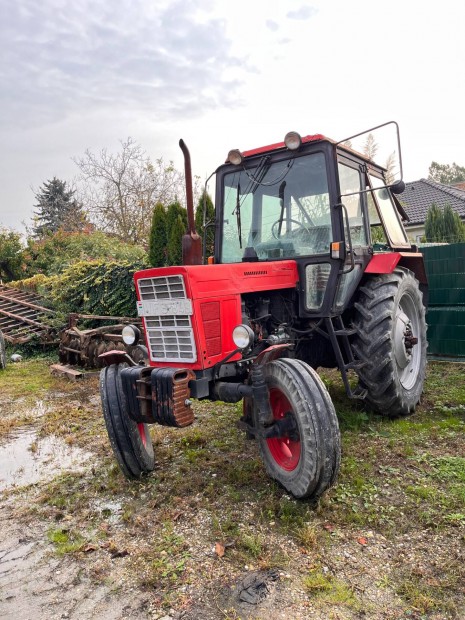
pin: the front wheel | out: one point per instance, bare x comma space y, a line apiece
391, 342
130, 441
305, 459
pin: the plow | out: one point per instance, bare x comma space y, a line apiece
24, 317
84, 346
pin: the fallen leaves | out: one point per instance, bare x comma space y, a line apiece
219, 549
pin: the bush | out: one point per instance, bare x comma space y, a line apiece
11, 255
96, 287
55, 253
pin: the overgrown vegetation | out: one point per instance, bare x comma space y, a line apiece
11, 255
55, 253
386, 540
97, 287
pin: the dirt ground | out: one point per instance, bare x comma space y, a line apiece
209, 536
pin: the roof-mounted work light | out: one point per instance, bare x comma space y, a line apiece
293, 140
235, 157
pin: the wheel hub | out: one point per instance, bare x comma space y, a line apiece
284, 439
403, 340
284, 427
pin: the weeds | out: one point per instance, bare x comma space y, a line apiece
403, 480
330, 590
66, 541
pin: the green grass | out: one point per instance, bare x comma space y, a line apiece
327, 589
399, 478
66, 541
25, 378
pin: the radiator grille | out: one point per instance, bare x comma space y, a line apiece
164, 303
171, 345
164, 287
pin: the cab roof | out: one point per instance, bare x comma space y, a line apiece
280, 145
318, 137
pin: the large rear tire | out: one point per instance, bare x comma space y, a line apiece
130, 441
306, 459
391, 341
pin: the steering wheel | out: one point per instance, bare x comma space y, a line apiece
277, 235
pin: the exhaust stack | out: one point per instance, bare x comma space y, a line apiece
191, 241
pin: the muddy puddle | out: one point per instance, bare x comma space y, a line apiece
26, 459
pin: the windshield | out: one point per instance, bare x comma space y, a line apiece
281, 210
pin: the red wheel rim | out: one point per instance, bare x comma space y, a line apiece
143, 437
284, 450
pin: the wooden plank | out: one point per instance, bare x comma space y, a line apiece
59, 369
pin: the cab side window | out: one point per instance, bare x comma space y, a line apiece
350, 184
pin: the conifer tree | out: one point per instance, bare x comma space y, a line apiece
176, 226
175, 241
158, 237
57, 209
454, 229
434, 225
443, 226
208, 239
174, 210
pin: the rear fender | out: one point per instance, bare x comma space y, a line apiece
387, 262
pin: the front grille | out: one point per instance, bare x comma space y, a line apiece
167, 311
165, 287
155, 322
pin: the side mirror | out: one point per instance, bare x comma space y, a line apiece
398, 187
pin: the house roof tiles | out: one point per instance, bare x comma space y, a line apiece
418, 197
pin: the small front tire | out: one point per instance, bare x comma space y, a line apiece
305, 459
130, 441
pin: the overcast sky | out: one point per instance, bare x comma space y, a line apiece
83, 75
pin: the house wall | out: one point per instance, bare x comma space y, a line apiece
415, 233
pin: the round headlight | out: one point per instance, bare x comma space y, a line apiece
131, 334
235, 157
293, 140
243, 336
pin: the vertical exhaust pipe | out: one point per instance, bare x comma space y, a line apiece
191, 241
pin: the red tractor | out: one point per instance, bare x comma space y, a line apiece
295, 283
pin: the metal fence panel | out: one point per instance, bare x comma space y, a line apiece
445, 267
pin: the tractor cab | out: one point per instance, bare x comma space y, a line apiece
314, 201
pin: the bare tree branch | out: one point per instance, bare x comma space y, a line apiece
120, 190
